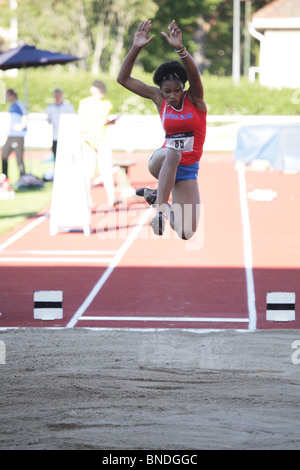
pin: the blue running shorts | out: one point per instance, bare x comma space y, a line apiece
185, 172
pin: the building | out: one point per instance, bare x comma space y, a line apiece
277, 28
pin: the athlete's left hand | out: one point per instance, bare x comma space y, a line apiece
175, 38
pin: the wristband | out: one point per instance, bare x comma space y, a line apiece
179, 50
184, 55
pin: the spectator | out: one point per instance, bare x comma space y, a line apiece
93, 114
54, 112
17, 131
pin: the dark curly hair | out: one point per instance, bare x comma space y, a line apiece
170, 71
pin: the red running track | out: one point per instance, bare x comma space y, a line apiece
122, 276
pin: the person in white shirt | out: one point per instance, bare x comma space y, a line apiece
54, 111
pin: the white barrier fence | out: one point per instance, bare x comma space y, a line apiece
138, 132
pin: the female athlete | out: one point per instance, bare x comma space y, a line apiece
183, 115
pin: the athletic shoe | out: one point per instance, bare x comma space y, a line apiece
150, 195
158, 223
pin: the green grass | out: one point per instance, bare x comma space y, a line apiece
221, 95
225, 98
26, 203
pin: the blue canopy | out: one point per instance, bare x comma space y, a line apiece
28, 56
25, 56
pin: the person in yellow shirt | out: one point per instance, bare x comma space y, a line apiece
93, 113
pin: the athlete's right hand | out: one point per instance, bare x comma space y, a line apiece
141, 38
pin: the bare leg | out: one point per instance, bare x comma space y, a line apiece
185, 210
89, 165
163, 166
184, 213
105, 166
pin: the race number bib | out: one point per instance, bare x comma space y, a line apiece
184, 142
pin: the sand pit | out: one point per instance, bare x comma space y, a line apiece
168, 390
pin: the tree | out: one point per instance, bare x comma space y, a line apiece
102, 30
94, 29
185, 13
112, 19
218, 18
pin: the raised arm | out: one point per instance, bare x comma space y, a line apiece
196, 91
125, 79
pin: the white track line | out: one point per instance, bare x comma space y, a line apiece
65, 258
109, 270
63, 252
53, 260
167, 319
23, 232
247, 248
